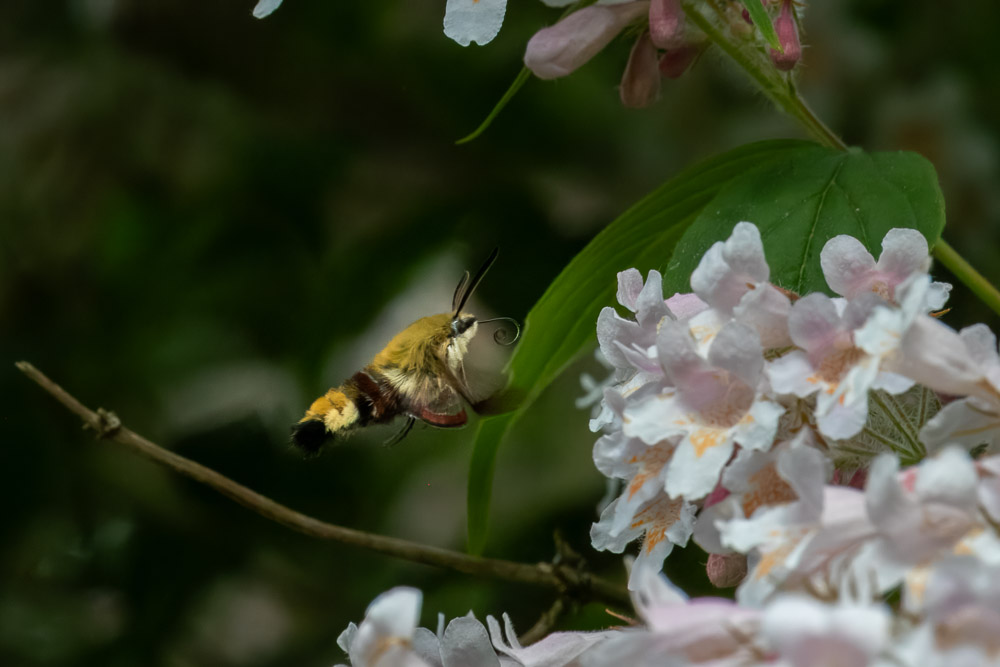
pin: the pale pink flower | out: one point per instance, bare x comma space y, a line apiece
791, 543
661, 523
559, 649
560, 49
904, 340
850, 269
690, 631
758, 480
628, 343
714, 403
919, 515
803, 632
830, 365
732, 277
971, 421
666, 23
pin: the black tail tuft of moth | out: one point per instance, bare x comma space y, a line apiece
310, 435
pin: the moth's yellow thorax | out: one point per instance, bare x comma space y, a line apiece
420, 345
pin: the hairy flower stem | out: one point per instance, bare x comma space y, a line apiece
566, 580
781, 90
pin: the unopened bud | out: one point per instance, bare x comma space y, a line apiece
666, 22
788, 37
675, 62
641, 81
560, 49
726, 570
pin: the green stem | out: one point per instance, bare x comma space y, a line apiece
971, 278
771, 82
820, 131
781, 90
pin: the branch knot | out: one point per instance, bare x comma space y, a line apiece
106, 425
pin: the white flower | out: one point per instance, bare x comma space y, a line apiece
806, 633
831, 365
265, 7
757, 480
975, 420
662, 523
678, 630
850, 270
555, 650
714, 404
732, 278
626, 343
478, 21
920, 515
385, 637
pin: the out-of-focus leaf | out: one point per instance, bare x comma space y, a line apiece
563, 322
763, 22
814, 194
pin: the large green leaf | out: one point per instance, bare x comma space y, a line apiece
814, 194
563, 322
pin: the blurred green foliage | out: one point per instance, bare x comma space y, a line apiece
205, 220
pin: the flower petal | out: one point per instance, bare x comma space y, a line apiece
904, 252
476, 21
640, 84
728, 267
466, 642
560, 49
265, 7
629, 286
846, 265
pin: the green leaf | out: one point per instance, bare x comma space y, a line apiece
519, 81
563, 322
801, 202
763, 22
894, 423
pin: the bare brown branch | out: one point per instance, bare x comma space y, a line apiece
563, 578
545, 623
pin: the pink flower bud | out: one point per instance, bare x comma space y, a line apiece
718, 494
560, 49
666, 22
788, 37
676, 61
641, 81
857, 479
726, 570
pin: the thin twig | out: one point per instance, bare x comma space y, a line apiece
543, 626
562, 578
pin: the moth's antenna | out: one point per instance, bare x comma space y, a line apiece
458, 291
500, 335
475, 281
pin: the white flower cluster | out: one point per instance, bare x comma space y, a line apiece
389, 637
723, 418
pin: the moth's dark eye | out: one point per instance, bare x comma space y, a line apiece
459, 327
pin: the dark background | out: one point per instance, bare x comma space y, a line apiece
206, 220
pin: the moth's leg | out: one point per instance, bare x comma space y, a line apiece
407, 427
